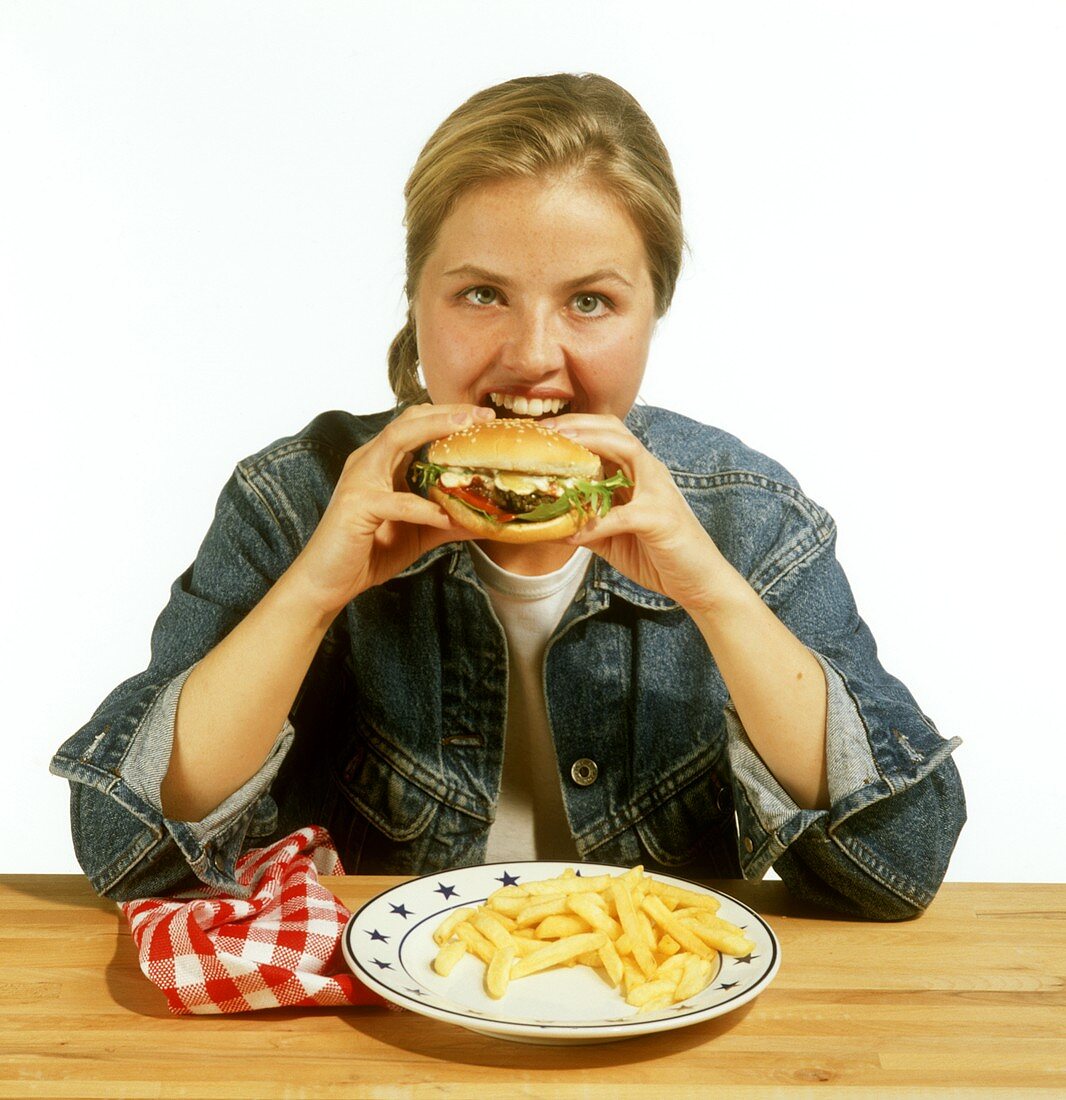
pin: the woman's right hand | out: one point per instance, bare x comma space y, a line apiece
374, 526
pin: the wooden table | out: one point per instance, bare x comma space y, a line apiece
968, 999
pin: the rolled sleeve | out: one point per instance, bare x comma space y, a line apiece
212, 844
769, 820
768, 809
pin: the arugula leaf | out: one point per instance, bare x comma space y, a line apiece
590, 496
548, 510
424, 475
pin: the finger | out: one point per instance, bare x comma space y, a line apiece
600, 528
382, 459
404, 507
614, 444
420, 424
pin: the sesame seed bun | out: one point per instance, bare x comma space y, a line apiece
518, 446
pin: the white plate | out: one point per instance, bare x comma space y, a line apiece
389, 945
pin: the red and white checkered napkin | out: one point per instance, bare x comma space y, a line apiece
281, 947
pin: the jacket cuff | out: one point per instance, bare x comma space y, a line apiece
211, 846
768, 819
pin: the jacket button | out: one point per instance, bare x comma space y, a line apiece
749, 845
584, 772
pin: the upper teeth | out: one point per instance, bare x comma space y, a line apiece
527, 406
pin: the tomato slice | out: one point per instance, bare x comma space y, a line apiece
476, 500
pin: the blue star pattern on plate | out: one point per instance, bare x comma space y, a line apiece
399, 963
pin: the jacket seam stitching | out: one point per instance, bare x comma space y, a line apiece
821, 542
253, 483
867, 862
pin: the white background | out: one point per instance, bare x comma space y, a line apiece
201, 247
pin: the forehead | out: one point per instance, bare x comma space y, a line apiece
538, 224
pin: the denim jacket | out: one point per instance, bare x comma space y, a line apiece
396, 737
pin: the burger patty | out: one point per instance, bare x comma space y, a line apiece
515, 503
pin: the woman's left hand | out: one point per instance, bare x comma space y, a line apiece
650, 534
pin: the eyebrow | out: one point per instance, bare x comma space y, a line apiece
603, 274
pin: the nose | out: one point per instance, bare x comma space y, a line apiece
533, 345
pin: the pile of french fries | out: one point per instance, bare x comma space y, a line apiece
657, 943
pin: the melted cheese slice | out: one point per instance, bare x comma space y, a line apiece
521, 484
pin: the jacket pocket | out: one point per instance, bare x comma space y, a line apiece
381, 822
693, 825
392, 803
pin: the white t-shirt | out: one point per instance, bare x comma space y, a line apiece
531, 820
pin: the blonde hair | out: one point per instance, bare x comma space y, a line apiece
530, 127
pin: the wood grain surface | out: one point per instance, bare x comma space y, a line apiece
969, 999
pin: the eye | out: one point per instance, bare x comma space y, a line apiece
588, 304
481, 295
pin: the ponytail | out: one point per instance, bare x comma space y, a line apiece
403, 367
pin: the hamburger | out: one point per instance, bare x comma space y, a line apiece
514, 481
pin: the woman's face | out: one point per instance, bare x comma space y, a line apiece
537, 300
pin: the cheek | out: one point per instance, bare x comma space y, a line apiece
450, 356
621, 356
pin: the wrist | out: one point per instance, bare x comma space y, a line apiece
296, 597
725, 592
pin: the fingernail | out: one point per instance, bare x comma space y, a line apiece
484, 414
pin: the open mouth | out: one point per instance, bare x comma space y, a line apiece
532, 408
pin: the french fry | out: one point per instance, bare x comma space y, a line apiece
448, 956
569, 885
720, 935
498, 973
509, 906
683, 897
696, 976
536, 911
490, 926
475, 941
448, 925
662, 987
673, 966
554, 954
631, 976
525, 945
683, 933
628, 918
586, 908
559, 925
612, 963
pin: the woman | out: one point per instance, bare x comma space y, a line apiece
685, 683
